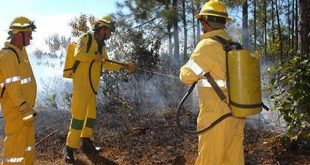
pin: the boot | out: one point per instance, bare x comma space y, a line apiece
89, 147
69, 155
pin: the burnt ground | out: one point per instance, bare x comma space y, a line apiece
139, 138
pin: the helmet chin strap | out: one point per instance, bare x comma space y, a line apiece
202, 28
101, 43
104, 37
103, 40
24, 40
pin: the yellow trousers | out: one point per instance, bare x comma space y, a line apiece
19, 142
222, 144
83, 115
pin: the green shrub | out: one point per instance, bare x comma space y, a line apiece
291, 95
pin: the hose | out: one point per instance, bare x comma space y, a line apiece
89, 77
157, 73
190, 90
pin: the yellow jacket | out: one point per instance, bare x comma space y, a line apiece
81, 77
223, 143
17, 78
208, 56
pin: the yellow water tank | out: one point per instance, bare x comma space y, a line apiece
70, 61
244, 82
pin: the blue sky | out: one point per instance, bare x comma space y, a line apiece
50, 16
49, 7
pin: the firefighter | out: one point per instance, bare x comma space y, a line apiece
222, 144
18, 95
91, 57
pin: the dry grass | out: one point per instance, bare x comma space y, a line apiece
129, 137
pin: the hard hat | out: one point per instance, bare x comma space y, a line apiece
105, 21
21, 24
213, 8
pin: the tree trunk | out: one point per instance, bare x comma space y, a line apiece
245, 33
279, 31
255, 32
198, 26
293, 25
265, 27
304, 28
185, 32
272, 21
193, 20
296, 25
169, 32
170, 39
176, 31
289, 24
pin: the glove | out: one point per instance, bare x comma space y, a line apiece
130, 67
29, 116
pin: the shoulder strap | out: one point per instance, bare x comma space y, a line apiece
223, 41
216, 88
2, 92
89, 42
76, 63
9, 48
227, 45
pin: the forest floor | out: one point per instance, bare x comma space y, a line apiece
136, 138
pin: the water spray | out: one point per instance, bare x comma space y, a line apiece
141, 69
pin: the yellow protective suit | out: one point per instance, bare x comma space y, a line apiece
83, 105
222, 144
19, 94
